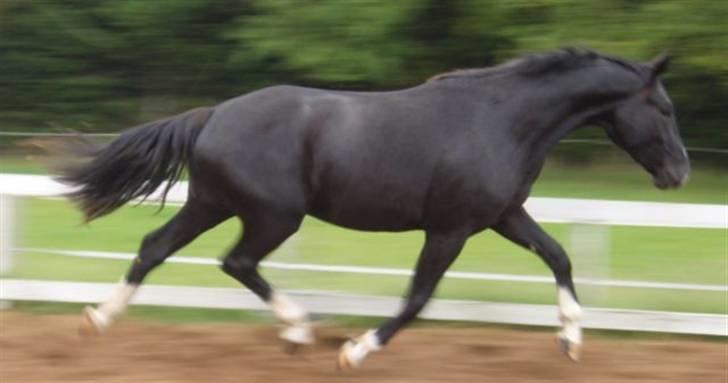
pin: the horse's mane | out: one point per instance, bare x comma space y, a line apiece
560, 60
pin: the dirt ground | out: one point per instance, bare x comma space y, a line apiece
41, 348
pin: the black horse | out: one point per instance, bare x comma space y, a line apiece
452, 157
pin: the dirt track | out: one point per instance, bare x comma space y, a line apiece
47, 349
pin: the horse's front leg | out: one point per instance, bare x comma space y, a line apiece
521, 229
439, 252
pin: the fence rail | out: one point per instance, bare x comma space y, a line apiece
367, 305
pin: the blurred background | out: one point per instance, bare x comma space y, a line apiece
101, 65
98, 66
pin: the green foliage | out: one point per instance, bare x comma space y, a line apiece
347, 41
102, 65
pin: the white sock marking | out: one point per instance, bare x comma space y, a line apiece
298, 329
286, 310
570, 314
358, 351
109, 311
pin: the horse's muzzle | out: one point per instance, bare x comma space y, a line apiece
672, 177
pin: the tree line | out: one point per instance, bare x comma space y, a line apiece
101, 65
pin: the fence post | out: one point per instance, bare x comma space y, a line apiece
7, 236
8, 209
6, 233
590, 246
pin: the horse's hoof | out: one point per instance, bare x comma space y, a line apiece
570, 349
354, 351
344, 362
88, 326
299, 334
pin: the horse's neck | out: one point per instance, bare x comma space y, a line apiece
536, 147
577, 99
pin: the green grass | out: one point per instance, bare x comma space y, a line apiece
20, 165
652, 254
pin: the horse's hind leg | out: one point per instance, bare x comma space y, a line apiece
192, 220
261, 235
520, 228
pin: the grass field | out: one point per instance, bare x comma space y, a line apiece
637, 253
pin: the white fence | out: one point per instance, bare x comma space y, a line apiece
377, 306
543, 209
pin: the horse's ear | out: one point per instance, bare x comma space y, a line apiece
660, 63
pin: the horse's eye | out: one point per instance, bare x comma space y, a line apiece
665, 110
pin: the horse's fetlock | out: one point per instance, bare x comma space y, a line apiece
569, 309
288, 311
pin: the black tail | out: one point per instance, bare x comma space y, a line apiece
133, 165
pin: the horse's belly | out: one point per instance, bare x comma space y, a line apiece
368, 222
375, 211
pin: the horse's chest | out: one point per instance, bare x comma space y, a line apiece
472, 193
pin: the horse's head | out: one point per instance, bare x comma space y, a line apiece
644, 126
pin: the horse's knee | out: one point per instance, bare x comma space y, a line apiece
237, 267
